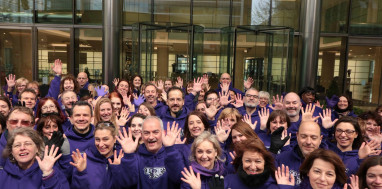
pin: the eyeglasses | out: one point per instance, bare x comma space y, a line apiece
18, 145
249, 96
212, 99
347, 132
52, 107
22, 122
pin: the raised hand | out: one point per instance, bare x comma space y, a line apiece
160, 85
247, 119
277, 103
221, 133
164, 96
179, 140
326, 119
197, 86
238, 101
115, 81
223, 98
233, 156
278, 140
318, 104
354, 182
190, 178
211, 111
57, 67
264, 115
179, 82
206, 86
79, 161
224, 87
248, 83
376, 134
124, 118
47, 163
205, 79
11, 82
138, 100
283, 177
307, 114
126, 140
101, 91
169, 138
117, 159
369, 148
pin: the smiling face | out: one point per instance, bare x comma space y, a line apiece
104, 142
253, 162
322, 174
263, 101
345, 140
292, 104
68, 85
195, 125
68, 99
29, 99
343, 103
212, 99
308, 137
276, 123
81, 118
308, 97
18, 119
136, 127
123, 87
117, 104
175, 101
251, 98
152, 135
374, 177
225, 78
4, 108
229, 121
24, 151
137, 82
237, 137
144, 110
21, 86
48, 129
371, 124
49, 107
167, 85
151, 94
105, 111
205, 154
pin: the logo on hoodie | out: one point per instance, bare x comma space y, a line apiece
154, 172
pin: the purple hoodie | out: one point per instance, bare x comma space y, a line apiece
180, 119
98, 167
349, 158
160, 170
234, 181
80, 142
13, 177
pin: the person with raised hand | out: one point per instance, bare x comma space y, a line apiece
157, 163
206, 160
20, 84
226, 85
98, 156
29, 164
191, 99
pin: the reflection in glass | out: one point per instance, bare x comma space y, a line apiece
54, 11
211, 14
89, 11
334, 16
89, 53
172, 11
16, 11
52, 45
16, 53
136, 11
365, 17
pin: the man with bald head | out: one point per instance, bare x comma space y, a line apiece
82, 79
308, 139
225, 78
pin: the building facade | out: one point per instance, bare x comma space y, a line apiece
332, 45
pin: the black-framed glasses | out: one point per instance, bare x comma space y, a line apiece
347, 132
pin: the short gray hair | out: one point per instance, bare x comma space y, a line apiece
264, 94
156, 118
252, 88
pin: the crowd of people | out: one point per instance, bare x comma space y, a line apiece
171, 134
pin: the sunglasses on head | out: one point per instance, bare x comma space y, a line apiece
105, 123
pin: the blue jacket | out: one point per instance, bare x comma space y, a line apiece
349, 158
79, 142
98, 173
234, 181
160, 170
180, 119
13, 177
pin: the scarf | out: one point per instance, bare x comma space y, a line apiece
217, 169
253, 180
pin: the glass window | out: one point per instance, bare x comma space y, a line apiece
331, 65
52, 45
211, 14
366, 17
136, 11
172, 11
286, 13
16, 11
89, 12
54, 11
15, 54
334, 16
89, 53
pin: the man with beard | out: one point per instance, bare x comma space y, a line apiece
251, 108
175, 109
151, 96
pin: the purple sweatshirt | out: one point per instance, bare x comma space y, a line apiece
159, 170
13, 177
180, 119
80, 142
234, 181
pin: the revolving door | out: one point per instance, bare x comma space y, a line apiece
261, 52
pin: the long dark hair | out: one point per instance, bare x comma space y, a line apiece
347, 119
204, 120
366, 164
